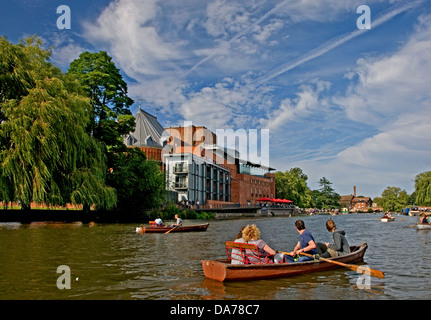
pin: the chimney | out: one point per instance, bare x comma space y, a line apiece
354, 191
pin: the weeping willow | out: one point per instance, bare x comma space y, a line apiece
423, 188
46, 155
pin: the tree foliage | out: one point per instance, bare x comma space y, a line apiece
423, 188
292, 185
104, 84
46, 154
393, 199
139, 182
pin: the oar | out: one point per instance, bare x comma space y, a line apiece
372, 272
171, 229
413, 225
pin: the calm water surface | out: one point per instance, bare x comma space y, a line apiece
111, 261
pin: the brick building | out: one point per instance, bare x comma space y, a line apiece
356, 203
197, 169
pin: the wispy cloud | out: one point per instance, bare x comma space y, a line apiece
335, 42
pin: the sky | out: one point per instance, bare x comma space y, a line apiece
339, 99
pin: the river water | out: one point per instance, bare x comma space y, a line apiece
111, 261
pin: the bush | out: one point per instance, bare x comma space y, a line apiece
205, 215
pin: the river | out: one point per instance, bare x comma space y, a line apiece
111, 261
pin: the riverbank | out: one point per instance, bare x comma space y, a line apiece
39, 215
65, 215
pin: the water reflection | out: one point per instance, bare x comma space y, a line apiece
111, 261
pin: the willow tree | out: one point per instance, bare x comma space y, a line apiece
47, 155
423, 188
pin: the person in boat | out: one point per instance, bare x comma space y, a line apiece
305, 243
159, 222
251, 234
423, 218
236, 257
340, 246
178, 222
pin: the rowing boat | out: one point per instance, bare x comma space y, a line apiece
423, 226
187, 228
223, 270
387, 219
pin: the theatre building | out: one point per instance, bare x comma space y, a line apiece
196, 168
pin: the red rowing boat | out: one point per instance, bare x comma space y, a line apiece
223, 270
189, 228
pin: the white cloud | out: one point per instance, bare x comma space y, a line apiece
124, 28
392, 85
308, 100
64, 51
224, 105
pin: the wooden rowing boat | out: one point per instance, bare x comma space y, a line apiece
223, 270
187, 228
423, 226
387, 219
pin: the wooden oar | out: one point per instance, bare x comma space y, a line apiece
371, 272
171, 229
414, 225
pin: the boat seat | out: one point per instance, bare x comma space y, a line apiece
242, 253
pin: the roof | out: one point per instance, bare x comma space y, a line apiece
148, 131
361, 199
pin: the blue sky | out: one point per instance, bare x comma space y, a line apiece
352, 105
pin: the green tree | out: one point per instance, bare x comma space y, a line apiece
393, 199
104, 84
423, 188
139, 182
46, 154
328, 197
292, 185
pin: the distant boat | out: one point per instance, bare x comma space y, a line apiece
414, 211
188, 228
423, 226
387, 219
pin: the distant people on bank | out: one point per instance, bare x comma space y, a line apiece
305, 243
251, 234
340, 245
423, 218
178, 222
159, 222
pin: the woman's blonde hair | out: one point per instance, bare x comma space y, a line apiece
250, 232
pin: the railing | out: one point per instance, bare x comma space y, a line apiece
181, 169
181, 185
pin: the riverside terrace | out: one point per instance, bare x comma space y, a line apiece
241, 211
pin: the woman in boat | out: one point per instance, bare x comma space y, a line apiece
423, 218
251, 234
236, 257
159, 222
340, 246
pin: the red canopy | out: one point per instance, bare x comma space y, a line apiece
263, 199
281, 200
